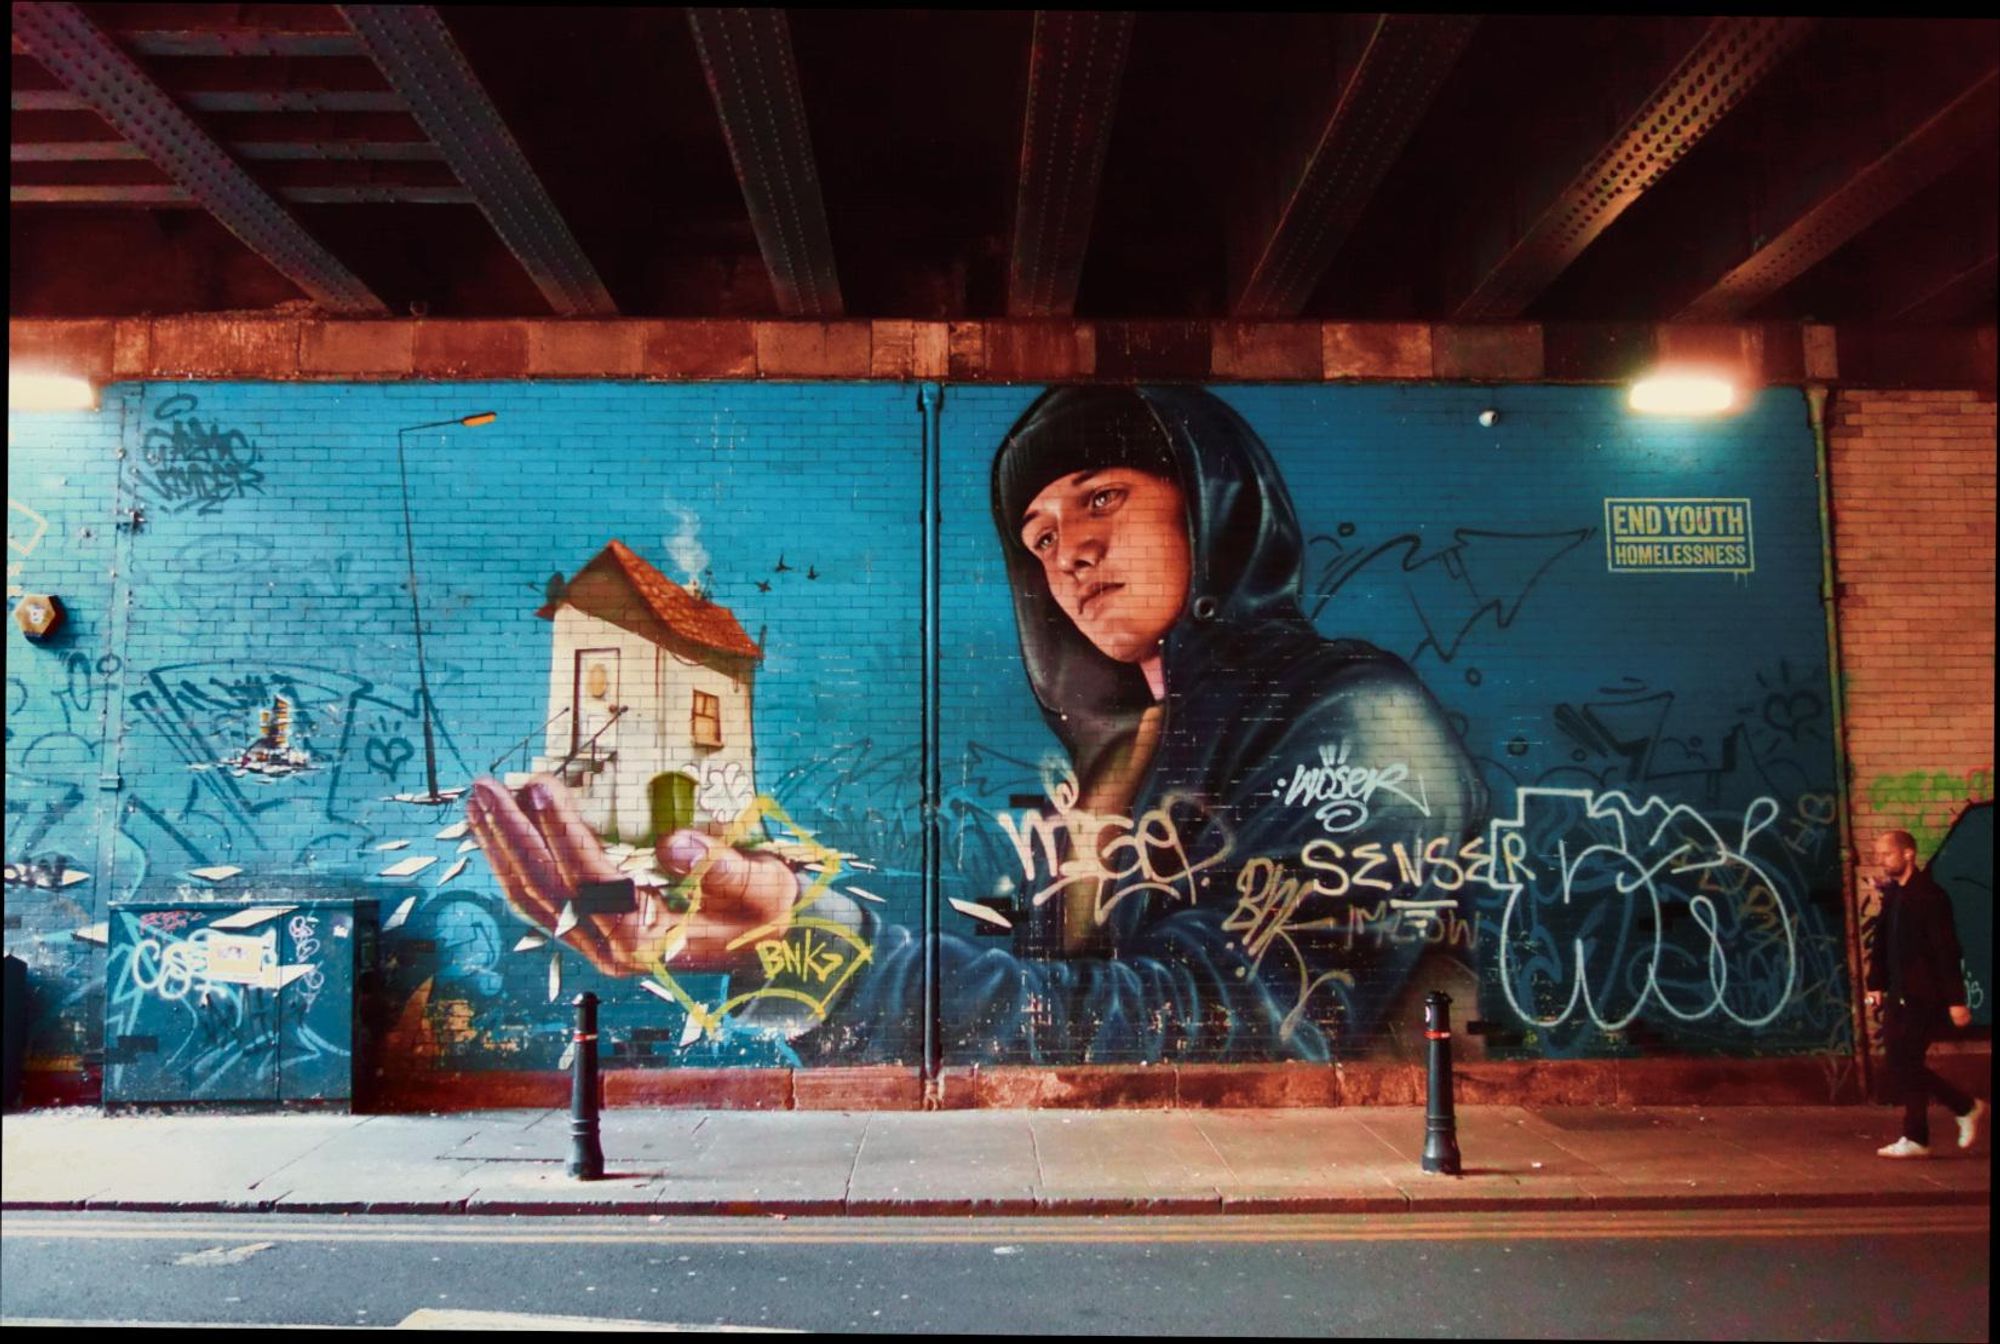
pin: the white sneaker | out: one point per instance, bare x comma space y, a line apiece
1968, 1124
1904, 1148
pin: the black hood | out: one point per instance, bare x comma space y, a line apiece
1244, 542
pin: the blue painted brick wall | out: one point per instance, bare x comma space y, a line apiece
271, 560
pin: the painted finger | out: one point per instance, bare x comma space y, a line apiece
680, 852
770, 891
509, 847
536, 888
576, 850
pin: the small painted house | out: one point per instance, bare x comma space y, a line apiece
649, 699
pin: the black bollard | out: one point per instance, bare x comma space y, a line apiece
586, 1154
1440, 1124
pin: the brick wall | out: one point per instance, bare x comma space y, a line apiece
1587, 696
1912, 483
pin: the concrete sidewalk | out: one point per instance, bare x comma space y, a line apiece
1350, 1160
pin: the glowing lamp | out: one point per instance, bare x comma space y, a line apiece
1683, 392
39, 391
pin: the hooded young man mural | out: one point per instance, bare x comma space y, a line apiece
1254, 819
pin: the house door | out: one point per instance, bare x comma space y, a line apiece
593, 708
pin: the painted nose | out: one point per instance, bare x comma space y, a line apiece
1080, 555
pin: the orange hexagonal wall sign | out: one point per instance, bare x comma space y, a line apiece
39, 615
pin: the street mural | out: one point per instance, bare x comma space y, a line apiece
1262, 712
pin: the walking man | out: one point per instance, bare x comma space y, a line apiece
1914, 978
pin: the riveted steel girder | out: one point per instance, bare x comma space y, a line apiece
746, 56
424, 65
1074, 67
78, 53
1942, 140
168, 195
1371, 119
1954, 295
1726, 62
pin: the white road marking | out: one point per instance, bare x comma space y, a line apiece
431, 1318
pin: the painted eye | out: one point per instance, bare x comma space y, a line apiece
1108, 496
1043, 542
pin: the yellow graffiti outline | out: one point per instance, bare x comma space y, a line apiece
830, 866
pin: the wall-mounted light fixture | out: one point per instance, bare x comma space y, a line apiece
45, 390
1684, 392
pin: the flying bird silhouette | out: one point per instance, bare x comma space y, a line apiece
811, 573
782, 568
763, 585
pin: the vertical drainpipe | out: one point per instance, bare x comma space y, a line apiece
1816, 401
117, 623
109, 809
929, 398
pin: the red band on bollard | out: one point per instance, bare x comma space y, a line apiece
581, 1037
1437, 1035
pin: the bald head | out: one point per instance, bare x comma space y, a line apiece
1896, 855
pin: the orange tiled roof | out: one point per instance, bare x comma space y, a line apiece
692, 618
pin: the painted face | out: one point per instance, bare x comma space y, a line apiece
1114, 546
1892, 858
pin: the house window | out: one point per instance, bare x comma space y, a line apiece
707, 720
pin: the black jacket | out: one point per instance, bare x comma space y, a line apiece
1914, 952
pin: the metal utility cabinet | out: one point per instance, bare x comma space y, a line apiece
235, 1002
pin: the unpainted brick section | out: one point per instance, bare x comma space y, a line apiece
1912, 487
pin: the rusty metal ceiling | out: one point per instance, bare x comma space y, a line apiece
529, 160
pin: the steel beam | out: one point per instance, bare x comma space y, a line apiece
418, 57
1940, 141
171, 195
1372, 116
1075, 65
1953, 296
746, 56
1725, 63
227, 100
107, 151
229, 30
79, 54
73, 151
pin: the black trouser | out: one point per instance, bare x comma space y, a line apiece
1907, 1032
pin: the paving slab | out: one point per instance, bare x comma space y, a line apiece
1106, 1161
646, 1137
545, 1187
226, 1163
1292, 1161
945, 1162
792, 1162
388, 1164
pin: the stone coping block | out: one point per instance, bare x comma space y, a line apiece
308, 346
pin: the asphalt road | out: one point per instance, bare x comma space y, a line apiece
1813, 1274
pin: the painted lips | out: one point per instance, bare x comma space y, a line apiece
1096, 591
